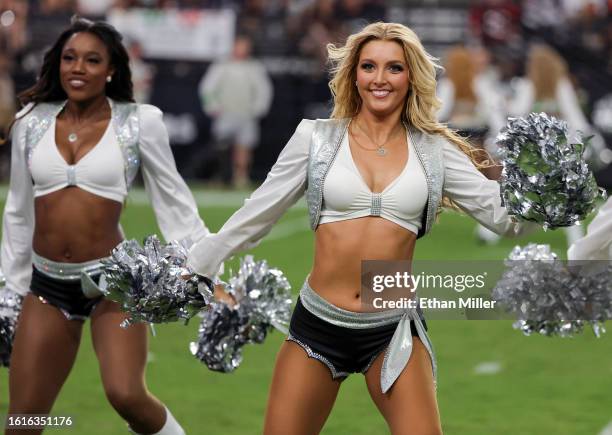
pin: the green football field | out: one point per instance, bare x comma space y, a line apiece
491, 378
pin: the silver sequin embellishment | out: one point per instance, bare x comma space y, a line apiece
325, 142
312, 354
127, 128
376, 207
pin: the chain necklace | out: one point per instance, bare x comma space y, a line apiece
73, 136
381, 151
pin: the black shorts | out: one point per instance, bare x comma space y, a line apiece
66, 295
342, 350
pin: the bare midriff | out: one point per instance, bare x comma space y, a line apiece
341, 246
74, 226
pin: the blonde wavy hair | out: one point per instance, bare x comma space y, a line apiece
421, 103
545, 68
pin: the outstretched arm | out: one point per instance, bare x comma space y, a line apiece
284, 185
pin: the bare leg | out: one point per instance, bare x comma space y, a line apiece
302, 393
410, 406
35, 379
122, 354
242, 165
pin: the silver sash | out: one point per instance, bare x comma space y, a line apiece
73, 272
399, 350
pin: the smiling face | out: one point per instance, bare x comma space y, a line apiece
84, 66
382, 77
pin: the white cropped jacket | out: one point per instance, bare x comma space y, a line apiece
301, 168
144, 142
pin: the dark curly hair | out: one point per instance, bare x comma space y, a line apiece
48, 86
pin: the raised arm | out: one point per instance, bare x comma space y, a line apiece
284, 185
18, 220
174, 206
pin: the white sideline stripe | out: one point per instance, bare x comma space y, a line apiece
488, 368
606, 430
288, 228
205, 198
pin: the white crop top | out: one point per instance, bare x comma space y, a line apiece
101, 171
347, 196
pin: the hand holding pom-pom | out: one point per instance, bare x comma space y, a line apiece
263, 301
153, 284
545, 178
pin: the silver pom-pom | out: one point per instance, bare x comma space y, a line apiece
545, 178
10, 307
263, 302
152, 282
548, 297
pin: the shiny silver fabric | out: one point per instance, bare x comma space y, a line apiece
125, 121
127, 128
399, 350
73, 272
326, 139
40, 119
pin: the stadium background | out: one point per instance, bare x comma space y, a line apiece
492, 380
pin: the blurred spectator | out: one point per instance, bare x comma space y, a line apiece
547, 88
94, 9
13, 25
496, 22
142, 72
320, 26
7, 92
357, 13
48, 18
7, 108
236, 93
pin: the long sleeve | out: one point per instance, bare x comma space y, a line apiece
18, 220
284, 185
478, 196
597, 244
174, 206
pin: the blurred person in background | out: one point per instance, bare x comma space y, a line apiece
547, 88
472, 105
7, 91
76, 148
319, 25
597, 243
7, 105
13, 26
142, 72
237, 93
374, 176
471, 102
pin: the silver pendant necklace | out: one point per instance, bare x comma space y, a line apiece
381, 151
72, 137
